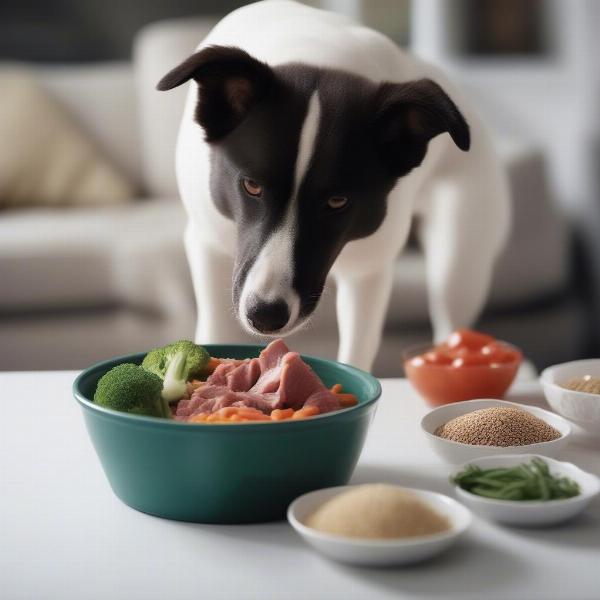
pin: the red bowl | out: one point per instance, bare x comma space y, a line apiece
444, 384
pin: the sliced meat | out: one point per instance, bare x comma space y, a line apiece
268, 382
271, 356
219, 375
325, 400
278, 378
220, 402
244, 376
185, 408
210, 391
199, 399
298, 381
263, 402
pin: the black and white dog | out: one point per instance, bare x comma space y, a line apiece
316, 152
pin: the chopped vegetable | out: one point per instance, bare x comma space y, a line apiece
175, 364
212, 364
279, 414
306, 411
244, 414
528, 481
346, 400
129, 388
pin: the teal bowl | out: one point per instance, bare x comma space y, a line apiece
238, 473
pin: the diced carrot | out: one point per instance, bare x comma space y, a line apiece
248, 411
347, 400
306, 411
257, 417
199, 418
212, 364
279, 414
337, 388
227, 411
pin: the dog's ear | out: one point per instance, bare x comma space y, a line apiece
408, 116
229, 81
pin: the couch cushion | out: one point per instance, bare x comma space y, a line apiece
100, 98
46, 159
89, 257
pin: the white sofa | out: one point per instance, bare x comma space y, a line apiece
80, 285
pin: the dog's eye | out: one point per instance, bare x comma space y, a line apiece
337, 202
252, 187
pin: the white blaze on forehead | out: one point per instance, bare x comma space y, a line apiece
306, 146
271, 276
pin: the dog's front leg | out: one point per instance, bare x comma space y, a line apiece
211, 277
362, 302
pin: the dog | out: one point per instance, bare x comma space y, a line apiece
307, 146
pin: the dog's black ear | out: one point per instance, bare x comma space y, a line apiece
409, 115
230, 82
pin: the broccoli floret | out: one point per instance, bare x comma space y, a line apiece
129, 388
175, 364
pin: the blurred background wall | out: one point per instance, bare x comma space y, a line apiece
91, 261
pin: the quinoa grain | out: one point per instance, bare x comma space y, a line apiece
497, 426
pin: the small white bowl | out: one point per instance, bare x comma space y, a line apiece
531, 513
358, 551
457, 452
582, 408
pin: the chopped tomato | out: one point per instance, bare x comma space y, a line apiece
417, 361
438, 356
470, 359
496, 352
467, 338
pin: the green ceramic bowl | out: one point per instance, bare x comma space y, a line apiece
238, 473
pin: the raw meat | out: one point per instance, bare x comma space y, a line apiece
278, 378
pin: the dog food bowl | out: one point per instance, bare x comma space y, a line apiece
457, 452
531, 513
582, 408
227, 473
380, 553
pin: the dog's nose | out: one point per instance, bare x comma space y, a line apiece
268, 317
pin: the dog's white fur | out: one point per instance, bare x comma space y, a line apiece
461, 198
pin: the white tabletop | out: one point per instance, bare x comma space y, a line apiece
63, 534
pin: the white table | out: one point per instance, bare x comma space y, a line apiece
63, 534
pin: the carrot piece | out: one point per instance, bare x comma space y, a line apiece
306, 411
279, 414
248, 410
227, 411
347, 400
337, 388
212, 364
199, 418
257, 417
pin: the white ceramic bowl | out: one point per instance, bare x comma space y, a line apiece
531, 513
581, 407
379, 552
457, 452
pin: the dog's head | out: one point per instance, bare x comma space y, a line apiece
303, 160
